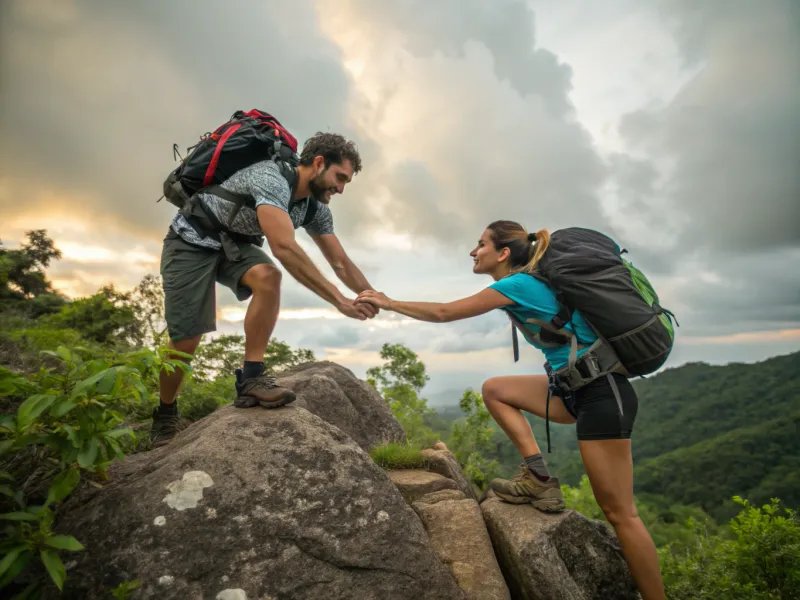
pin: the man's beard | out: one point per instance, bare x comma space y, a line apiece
317, 189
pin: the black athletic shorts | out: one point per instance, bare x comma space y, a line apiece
596, 410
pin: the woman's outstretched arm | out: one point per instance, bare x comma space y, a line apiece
439, 312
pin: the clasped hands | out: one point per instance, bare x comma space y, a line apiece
365, 306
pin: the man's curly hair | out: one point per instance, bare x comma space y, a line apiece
334, 148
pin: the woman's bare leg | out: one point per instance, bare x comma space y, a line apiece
610, 469
506, 397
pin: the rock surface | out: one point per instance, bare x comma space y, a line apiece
556, 557
459, 538
267, 504
413, 484
335, 394
443, 462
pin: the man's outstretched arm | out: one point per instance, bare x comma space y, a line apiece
340, 262
279, 231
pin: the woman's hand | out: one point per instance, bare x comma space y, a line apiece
376, 299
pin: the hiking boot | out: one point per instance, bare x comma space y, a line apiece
526, 487
262, 390
164, 428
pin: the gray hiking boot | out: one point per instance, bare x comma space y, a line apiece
262, 390
525, 487
164, 428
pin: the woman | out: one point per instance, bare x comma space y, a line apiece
508, 253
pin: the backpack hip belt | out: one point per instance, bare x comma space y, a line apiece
598, 361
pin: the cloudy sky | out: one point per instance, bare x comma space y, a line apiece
672, 125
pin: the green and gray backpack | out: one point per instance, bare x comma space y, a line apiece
586, 270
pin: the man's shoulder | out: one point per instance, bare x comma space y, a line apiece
264, 170
263, 181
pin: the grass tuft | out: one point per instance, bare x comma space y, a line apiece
398, 456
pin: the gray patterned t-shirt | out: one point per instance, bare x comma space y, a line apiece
264, 182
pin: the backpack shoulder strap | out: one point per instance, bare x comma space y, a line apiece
311, 211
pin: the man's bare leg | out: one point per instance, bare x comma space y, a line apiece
170, 383
256, 387
262, 313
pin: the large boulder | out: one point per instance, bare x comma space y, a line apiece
459, 538
561, 556
258, 504
335, 394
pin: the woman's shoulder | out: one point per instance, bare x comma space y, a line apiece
523, 280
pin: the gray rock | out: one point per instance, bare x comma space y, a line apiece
253, 503
459, 538
561, 556
444, 463
336, 395
434, 497
415, 483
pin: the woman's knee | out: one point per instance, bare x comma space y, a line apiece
263, 279
618, 514
491, 390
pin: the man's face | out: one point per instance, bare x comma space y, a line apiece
329, 180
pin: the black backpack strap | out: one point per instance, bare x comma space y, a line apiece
311, 211
238, 200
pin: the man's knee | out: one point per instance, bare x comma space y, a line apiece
263, 279
187, 345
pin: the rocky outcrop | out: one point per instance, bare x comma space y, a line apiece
335, 394
252, 504
459, 538
561, 556
413, 484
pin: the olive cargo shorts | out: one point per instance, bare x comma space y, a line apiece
189, 274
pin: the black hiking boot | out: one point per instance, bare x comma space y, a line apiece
164, 428
262, 390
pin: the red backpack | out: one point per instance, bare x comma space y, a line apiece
247, 138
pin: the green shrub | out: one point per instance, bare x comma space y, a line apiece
36, 339
758, 560
200, 398
70, 424
398, 456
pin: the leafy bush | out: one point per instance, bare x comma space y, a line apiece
69, 425
760, 560
105, 318
470, 440
200, 398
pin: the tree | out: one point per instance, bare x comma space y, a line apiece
105, 317
147, 302
223, 354
22, 276
399, 381
403, 368
471, 439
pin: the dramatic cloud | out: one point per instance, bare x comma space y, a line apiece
673, 126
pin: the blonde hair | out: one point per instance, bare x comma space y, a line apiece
525, 249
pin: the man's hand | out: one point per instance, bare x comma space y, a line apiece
355, 311
373, 298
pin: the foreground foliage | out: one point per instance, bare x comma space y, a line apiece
69, 425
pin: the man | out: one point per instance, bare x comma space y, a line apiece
193, 261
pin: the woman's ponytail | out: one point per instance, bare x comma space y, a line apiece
539, 242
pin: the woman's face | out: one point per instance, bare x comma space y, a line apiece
486, 258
